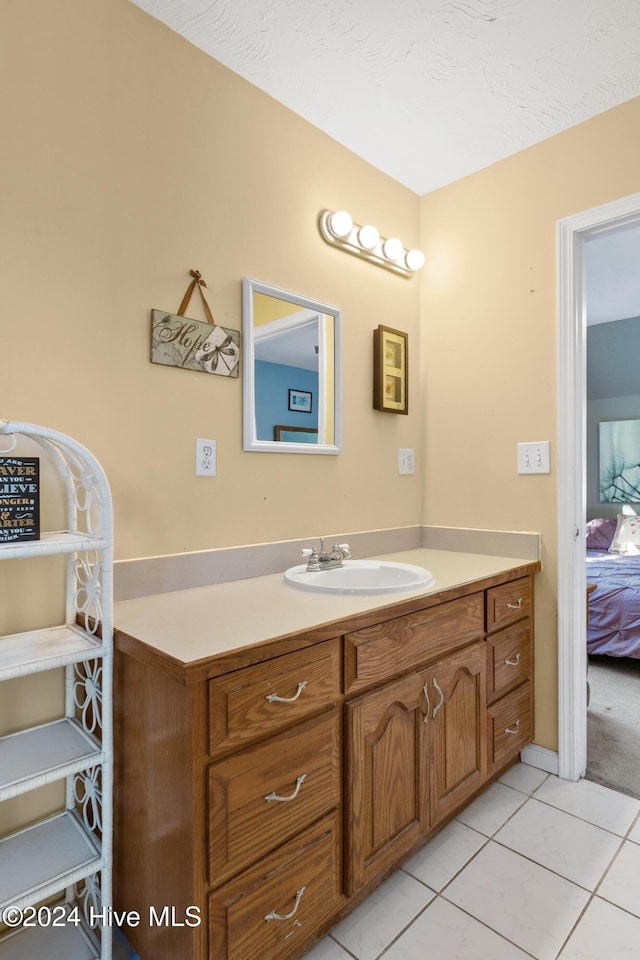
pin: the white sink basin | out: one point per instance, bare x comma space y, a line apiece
361, 576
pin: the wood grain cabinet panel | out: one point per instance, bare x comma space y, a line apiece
378, 653
457, 725
267, 697
508, 659
510, 725
275, 906
263, 795
387, 795
508, 603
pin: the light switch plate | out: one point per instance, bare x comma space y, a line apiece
406, 463
534, 457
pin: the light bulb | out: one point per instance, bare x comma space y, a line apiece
414, 259
392, 248
368, 236
341, 223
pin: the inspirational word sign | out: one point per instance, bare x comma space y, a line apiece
19, 498
179, 342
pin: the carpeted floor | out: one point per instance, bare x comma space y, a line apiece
613, 724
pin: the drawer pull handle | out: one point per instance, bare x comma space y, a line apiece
287, 916
425, 690
514, 662
274, 796
274, 698
441, 701
515, 606
513, 729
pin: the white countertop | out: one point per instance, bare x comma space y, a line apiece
191, 625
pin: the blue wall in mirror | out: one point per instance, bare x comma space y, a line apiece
272, 384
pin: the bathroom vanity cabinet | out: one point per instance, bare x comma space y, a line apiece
266, 791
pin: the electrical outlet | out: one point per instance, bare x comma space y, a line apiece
534, 457
405, 461
205, 458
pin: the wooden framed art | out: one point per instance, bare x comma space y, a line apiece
390, 370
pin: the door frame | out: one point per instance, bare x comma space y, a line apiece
571, 378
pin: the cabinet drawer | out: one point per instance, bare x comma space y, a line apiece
267, 697
508, 659
509, 725
508, 603
386, 649
262, 796
275, 906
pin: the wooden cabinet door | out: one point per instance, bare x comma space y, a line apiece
387, 795
457, 727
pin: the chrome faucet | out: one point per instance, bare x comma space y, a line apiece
321, 560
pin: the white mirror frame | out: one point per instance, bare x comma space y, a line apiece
249, 440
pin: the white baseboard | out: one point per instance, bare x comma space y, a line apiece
541, 758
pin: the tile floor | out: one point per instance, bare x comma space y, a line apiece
535, 867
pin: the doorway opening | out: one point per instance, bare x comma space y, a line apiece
572, 233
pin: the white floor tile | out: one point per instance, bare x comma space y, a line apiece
523, 777
635, 833
622, 883
444, 931
492, 809
577, 850
445, 854
604, 931
524, 902
383, 915
327, 949
591, 801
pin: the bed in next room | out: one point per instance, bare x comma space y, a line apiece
613, 565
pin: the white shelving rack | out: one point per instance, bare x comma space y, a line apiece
65, 859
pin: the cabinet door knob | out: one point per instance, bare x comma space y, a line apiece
274, 796
441, 700
514, 662
515, 606
274, 698
287, 916
513, 729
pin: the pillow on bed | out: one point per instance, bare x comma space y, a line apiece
627, 536
600, 533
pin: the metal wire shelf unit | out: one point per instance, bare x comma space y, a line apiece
65, 858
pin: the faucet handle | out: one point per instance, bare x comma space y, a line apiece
344, 547
307, 551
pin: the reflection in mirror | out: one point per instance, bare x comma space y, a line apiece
291, 372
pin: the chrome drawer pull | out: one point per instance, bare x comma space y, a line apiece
274, 698
514, 662
273, 795
513, 729
425, 690
441, 701
287, 916
515, 606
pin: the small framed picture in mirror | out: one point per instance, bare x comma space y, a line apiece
300, 401
390, 370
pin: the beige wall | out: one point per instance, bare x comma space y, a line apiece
489, 341
132, 157
129, 157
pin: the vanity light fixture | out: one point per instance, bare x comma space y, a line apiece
338, 229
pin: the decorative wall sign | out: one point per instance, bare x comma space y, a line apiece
19, 498
390, 370
207, 347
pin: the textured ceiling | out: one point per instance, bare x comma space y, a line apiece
429, 91
425, 90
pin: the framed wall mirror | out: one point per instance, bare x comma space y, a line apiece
291, 372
